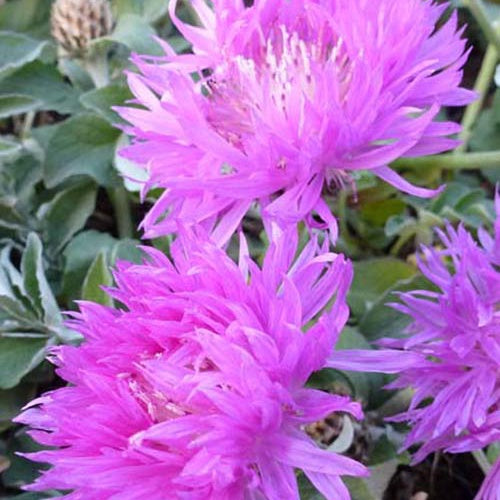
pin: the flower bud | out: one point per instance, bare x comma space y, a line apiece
75, 23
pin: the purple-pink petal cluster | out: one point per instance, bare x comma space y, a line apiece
490, 489
456, 327
195, 388
281, 100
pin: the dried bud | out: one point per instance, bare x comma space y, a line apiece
76, 22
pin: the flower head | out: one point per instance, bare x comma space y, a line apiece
289, 98
196, 387
75, 23
456, 327
490, 489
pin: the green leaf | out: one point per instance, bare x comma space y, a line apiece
366, 387
5, 285
9, 216
17, 358
17, 50
377, 212
42, 374
45, 84
102, 99
14, 104
307, 491
493, 8
372, 278
383, 450
486, 135
45, 133
452, 194
493, 452
150, 10
30, 266
8, 149
133, 175
136, 34
97, 276
83, 145
15, 309
396, 224
384, 321
74, 71
153, 10
122, 7
67, 213
30, 16
358, 489
11, 271
180, 44
126, 249
373, 486
380, 476
29, 496
22, 471
79, 255
83, 250
35, 282
25, 172
12, 400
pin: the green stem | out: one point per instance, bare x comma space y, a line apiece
342, 213
97, 67
452, 161
481, 86
28, 124
481, 14
121, 206
482, 460
342, 218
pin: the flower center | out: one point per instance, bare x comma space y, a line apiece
271, 86
157, 405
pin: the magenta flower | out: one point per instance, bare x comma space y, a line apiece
289, 97
456, 404
195, 389
490, 489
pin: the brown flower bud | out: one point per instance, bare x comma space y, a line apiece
76, 22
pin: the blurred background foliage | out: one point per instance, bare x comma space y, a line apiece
67, 213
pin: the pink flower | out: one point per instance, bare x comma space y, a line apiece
456, 404
490, 489
289, 97
195, 388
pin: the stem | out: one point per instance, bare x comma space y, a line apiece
482, 17
97, 68
121, 207
452, 161
481, 86
482, 461
435, 463
28, 124
342, 218
342, 215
